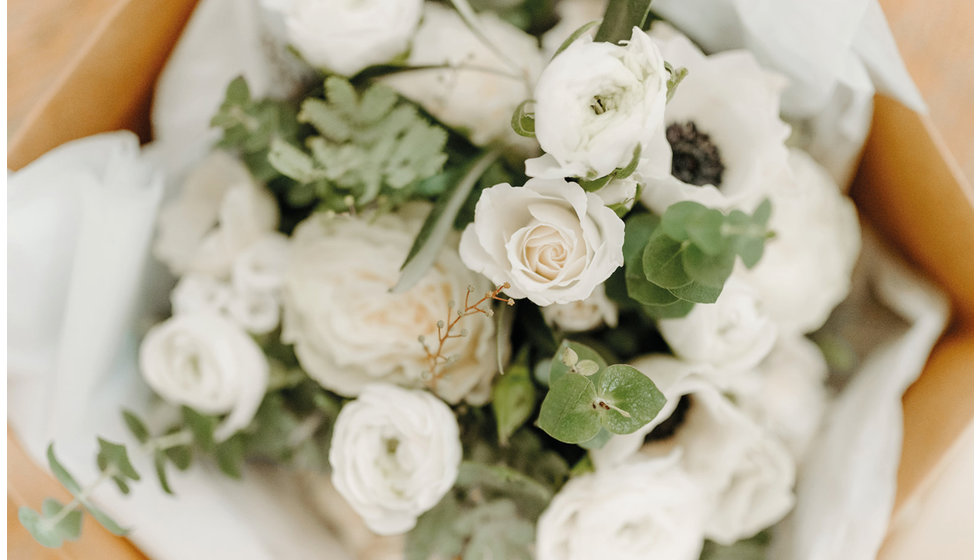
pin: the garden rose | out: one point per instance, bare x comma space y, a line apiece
346, 36
649, 508
594, 104
551, 241
394, 454
219, 212
349, 330
208, 363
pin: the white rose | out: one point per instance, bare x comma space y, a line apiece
394, 454
550, 240
347, 36
785, 394
208, 363
645, 509
579, 316
349, 330
479, 92
722, 140
594, 103
806, 269
732, 335
260, 267
219, 212
195, 293
747, 474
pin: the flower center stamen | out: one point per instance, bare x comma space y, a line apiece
696, 159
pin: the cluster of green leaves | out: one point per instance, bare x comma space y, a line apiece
588, 400
367, 144
249, 127
686, 256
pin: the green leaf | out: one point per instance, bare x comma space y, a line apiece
620, 18
513, 400
639, 230
598, 441
201, 426
432, 536
595, 184
704, 230
582, 353
677, 76
585, 465
104, 520
496, 530
642, 290
709, 270
432, 237
750, 250
522, 120
160, 466
697, 293
61, 473
568, 412
328, 121
291, 161
624, 172
504, 317
230, 455
114, 455
628, 400
69, 528
677, 216
663, 263
676, 310
237, 91
506, 480
762, 213
180, 456
575, 35
136, 426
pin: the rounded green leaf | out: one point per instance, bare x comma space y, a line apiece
639, 229
513, 400
676, 310
678, 216
628, 400
710, 270
704, 230
662, 262
568, 412
642, 290
697, 293
581, 353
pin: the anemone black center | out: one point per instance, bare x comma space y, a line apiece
673, 422
696, 159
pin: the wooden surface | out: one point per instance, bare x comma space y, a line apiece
60, 82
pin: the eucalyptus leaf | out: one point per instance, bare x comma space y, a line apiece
600, 439
639, 229
103, 518
61, 473
513, 400
629, 400
676, 310
113, 455
709, 270
69, 528
582, 353
505, 480
663, 262
160, 467
697, 292
568, 412
136, 426
640, 289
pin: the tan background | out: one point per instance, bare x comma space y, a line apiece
45, 38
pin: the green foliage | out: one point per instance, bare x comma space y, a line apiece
620, 18
533, 496
81, 496
250, 126
586, 397
755, 548
367, 145
50, 527
513, 398
688, 255
438, 224
677, 76
593, 185
523, 120
114, 458
136, 426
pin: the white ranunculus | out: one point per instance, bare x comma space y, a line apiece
732, 335
806, 269
347, 36
218, 213
594, 104
644, 509
733, 103
195, 293
479, 92
747, 474
349, 330
785, 394
551, 241
572, 15
395, 453
260, 267
579, 316
208, 363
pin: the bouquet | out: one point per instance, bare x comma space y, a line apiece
512, 280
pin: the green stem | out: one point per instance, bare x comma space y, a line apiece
165, 442
51, 522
